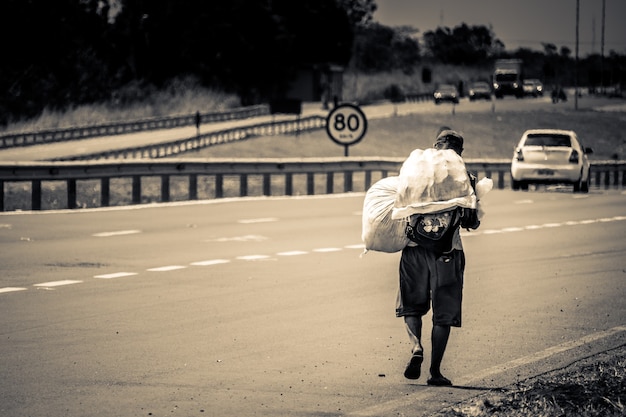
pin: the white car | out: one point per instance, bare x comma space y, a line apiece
550, 156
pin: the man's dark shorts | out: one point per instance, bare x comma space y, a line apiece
423, 273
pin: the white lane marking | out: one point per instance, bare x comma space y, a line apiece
12, 289
324, 250
166, 268
292, 253
210, 262
523, 202
512, 229
543, 226
359, 246
259, 220
57, 283
252, 257
115, 275
5, 226
387, 408
246, 238
116, 233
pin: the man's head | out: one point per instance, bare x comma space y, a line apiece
449, 139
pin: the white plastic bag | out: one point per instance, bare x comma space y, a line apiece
482, 188
380, 232
432, 180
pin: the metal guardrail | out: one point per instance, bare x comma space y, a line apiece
66, 134
233, 176
169, 149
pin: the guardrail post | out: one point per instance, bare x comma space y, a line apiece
165, 188
193, 187
368, 180
105, 192
219, 186
36, 195
136, 189
1, 195
347, 181
289, 184
310, 183
267, 185
71, 194
330, 182
243, 185
501, 180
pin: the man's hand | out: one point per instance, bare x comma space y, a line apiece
469, 219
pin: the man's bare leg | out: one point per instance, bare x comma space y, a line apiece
414, 329
440, 336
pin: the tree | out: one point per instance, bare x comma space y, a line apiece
359, 12
463, 45
381, 48
51, 55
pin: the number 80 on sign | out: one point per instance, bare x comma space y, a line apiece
346, 124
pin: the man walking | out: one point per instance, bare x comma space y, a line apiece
434, 274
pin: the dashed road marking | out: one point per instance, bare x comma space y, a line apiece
166, 268
543, 226
246, 238
317, 250
210, 262
116, 233
57, 283
259, 220
12, 289
359, 246
115, 275
325, 250
253, 257
292, 253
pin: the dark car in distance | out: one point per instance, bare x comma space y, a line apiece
446, 92
479, 90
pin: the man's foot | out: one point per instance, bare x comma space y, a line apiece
414, 367
439, 381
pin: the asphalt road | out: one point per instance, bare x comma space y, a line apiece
267, 306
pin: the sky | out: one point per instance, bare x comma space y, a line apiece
518, 23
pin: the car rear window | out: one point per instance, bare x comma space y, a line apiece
547, 140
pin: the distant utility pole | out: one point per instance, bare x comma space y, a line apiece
576, 65
602, 50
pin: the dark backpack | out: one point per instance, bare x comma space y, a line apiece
434, 231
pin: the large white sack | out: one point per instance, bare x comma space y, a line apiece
380, 232
432, 180
482, 188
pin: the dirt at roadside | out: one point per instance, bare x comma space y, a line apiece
594, 386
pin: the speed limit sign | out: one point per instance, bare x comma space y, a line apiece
346, 125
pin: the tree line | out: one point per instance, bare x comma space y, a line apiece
64, 53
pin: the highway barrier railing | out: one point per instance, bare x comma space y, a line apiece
75, 184
203, 140
75, 133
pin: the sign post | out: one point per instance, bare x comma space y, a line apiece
346, 125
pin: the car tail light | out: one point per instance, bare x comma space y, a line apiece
519, 155
573, 158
